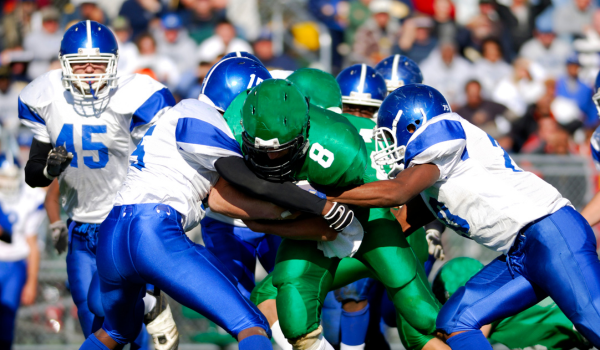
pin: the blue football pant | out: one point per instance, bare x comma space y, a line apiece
145, 243
82, 275
554, 256
238, 248
13, 275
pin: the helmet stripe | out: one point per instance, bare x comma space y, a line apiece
395, 68
238, 54
89, 34
363, 76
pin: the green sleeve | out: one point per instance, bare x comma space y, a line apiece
337, 156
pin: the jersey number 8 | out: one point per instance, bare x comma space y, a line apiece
321, 155
65, 138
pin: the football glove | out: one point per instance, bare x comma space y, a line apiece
60, 236
339, 216
58, 160
434, 240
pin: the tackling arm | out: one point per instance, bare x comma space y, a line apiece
311, 228
413, 215
390, 193
591, 212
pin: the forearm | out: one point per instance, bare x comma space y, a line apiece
34, 169
287, 195
312, 228
591, 212
33, 260
227, 200
51, 203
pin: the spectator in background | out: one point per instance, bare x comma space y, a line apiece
245, 16
82, 10
140, 13
491, 68
571, 87
547, 50
163, 68
374, 40
128, 51
44, 44
222, 42
519, 18
200, 18
522, 88
573, 17
416, 41
174, 42
485, 25
358, 14
448, 72
263, 49
491, 117
9, 102
17, 24
190, 84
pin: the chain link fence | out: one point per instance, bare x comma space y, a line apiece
51, 323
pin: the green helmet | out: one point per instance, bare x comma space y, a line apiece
321, 88
275, 119
453, 275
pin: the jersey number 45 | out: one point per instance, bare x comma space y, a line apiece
65, 138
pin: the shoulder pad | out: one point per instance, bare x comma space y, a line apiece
43, 89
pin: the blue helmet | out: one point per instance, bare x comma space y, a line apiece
228, 77
596, 96
402, 113
10, 174
242, 54
362, 85
89, 42
398, 70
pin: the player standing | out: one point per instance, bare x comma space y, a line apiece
85, 121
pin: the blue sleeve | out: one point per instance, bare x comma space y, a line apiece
144, 114
6, 226
201, 133
434, 134
26, 113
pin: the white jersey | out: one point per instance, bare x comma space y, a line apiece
26, 212
481, 193
100, 134
174, 164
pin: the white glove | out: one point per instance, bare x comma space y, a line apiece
434, 240
60, 236
346, 243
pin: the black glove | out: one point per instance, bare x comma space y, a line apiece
58, 160
339, 216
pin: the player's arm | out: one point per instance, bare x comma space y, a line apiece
390, 193
311, 228
227, 200
286, 194
591, 212
45, 163
413, 215
58, 228
33, 266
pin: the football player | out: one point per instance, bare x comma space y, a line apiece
469, 183
85, 121
277, 148
399, 70
591, 212
541, 326
21, 213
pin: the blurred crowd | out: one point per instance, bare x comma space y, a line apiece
523, 70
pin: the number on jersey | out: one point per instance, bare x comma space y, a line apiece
252, 77
321, 155
65, 138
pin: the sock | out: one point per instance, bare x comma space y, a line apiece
92, 343
354, 329
279, 337
321, 344
149, 303
256, 342
469, 340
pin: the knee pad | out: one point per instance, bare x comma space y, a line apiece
310, 341
293, 313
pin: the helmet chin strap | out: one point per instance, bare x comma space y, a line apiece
92, 90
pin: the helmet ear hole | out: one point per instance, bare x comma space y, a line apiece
411, 128
418, 121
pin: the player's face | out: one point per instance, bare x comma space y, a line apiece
359, 111
277, 155
89, 68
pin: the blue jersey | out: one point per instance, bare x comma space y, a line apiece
99, 133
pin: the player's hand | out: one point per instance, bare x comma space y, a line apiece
60, 236
339, 216
434, 240
28, 293
58, 160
